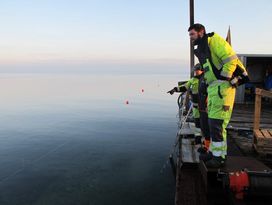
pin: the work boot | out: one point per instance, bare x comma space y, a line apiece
205, 156
202, 150
216, 162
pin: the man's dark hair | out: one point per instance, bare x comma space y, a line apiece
198, 27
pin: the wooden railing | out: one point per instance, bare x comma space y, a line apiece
258, 105
262, 138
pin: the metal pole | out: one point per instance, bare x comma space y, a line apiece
192, 58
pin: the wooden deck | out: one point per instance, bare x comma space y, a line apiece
243, 116
249, 127
263, 141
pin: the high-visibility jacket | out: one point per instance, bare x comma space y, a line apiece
221, 62
192, 86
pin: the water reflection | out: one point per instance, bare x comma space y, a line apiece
71, 139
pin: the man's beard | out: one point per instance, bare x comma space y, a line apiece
198, 40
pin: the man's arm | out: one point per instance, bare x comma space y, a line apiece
232, 68
226, 54
181, 88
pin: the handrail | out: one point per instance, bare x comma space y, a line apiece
258, 104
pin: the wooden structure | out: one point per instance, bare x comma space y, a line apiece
242, 116
262, 140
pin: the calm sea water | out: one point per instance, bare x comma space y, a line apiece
72, 139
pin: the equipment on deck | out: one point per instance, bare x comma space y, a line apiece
244, 184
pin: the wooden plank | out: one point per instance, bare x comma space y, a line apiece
263, 150
268, 140
263, 93
265, 145
270, 132
258, 133
243, 116
260, 151
266, 153
266, 134
259, 138
258, 91
257, 113
264, 142
263, 153
267, 149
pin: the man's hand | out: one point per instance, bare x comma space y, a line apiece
234, 82
171, 92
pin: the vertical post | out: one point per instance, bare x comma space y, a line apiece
192, 20
257, 113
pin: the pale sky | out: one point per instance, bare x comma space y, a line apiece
47, 35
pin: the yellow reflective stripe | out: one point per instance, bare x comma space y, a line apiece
229, 59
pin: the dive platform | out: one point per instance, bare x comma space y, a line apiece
246, 177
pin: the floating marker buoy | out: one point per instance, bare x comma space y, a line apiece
142, 90
127, 102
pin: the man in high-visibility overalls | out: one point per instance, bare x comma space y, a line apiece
223, 72
198, 88
192, 86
